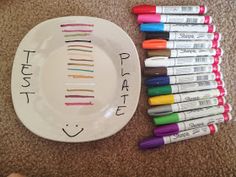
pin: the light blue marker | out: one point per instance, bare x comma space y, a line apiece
160, 27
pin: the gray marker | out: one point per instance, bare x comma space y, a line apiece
167, 109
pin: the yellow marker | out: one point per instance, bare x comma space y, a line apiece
189, 96
160, 100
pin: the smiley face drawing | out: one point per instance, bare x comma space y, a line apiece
75, 132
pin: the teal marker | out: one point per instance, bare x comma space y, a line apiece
178, 88
188, 115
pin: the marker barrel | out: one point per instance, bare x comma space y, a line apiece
185, 52
185, 61
156, 142
162, 71
184, 106
157, 18
152, 9
171, 129
160, 27
166, 80
163, 44
190, 96
184, 36
179, 88
193, 114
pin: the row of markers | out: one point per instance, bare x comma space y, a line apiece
185, 87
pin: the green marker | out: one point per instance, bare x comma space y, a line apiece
161, 90
178, 88
188, 115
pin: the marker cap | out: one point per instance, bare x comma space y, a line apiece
147, 18
152, 27
162, 90
152, 142
208, 20
219, 52
155, 81
222, 91
221, 100
217, 60
213, 128
159, 110
215, 44
168, 119
158, 35
162, 53
211, 28
156, 71
216, 67
227, 108
166, 130
144, 9
154, 44
218, 75
220, 83
203, 10
161, 100
217, 36
227, 117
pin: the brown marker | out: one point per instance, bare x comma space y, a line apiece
185, 52
163, 53
157, 71
170, 71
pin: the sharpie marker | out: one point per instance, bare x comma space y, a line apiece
157, 18
190, 96
185, 61
184, 106
193, 114
166, 80
163, 44
179, 88
162, 71
184, 36
160, 27
171, 129
152, 9
156, 142
185, 52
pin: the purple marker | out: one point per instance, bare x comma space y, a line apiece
156, 142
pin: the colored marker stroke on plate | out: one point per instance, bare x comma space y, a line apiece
80, 65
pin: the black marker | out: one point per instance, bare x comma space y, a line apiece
183, 36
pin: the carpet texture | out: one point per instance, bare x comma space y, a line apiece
21, 151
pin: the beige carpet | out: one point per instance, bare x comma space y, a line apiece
21, 151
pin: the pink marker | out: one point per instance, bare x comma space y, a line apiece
157, 18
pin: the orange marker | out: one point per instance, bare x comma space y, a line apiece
164, 44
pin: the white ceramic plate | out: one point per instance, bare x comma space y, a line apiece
76, 79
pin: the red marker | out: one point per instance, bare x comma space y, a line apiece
152, 9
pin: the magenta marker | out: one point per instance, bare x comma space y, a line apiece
171, 129
152, 9
157, 18
156, 142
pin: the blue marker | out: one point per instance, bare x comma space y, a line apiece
160, 27
166, 80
